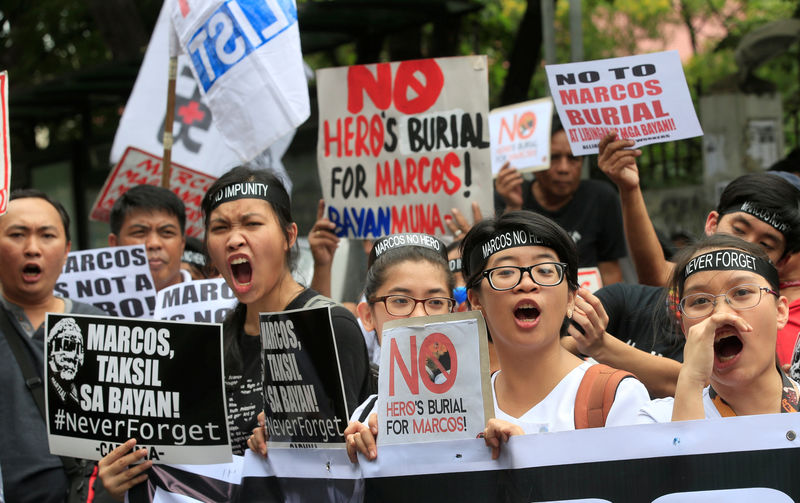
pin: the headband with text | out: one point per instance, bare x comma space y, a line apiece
249, 190
766, 216
731, 260
455, 265
503, 241
395, 241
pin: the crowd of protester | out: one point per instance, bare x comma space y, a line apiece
693, 339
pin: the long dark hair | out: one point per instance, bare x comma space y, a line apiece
234, 321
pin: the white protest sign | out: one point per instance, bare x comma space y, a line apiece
401, 144
110, 379
644, 98
206, 300
590, 279
5, 148
521, 135
137, 167
115, 279
434, 379
246, 57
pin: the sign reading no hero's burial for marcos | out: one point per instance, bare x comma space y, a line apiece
643, 98
401, 144
111, 379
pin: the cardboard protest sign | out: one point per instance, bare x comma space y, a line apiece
110, 379
246, 58
115, 279
521, 135
207, 300
590, 279
5, 147
137, 167
401, 144
448, 355
303, 391
644, 98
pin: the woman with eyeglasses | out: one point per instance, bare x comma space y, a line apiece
521, 271
408, 276
730, 312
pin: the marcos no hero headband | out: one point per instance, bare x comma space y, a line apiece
395, 241
731, 260
249, 190
503, 241
766, 216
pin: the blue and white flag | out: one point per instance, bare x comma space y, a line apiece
246, 58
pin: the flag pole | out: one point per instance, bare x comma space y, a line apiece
166, 164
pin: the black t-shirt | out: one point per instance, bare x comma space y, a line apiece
243, 392
632, 311
592, 217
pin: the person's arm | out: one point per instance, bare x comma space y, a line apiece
117, 470
323, 243
658, 374
610, 272
619, 164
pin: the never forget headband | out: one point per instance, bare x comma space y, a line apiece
395, 241
249, 190
766, 216
731, 260
503, 241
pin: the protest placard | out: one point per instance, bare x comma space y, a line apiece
111, 379
115, 279
401, 144
207, 300
590, 278
448, 355
137, 167
5, 152
521, 135
644, 98
303, 391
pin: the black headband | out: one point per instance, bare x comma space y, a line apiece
194, 258
767, 216
731, 260
455, 265
395, 241
503, 241
249, 190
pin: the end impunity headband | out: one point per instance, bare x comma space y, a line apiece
731, 260
249, 190
766, 216
503, 241
395, 241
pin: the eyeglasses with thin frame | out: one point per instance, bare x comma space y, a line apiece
506, 277
739, 297
403, 305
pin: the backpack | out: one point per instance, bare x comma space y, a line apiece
596, 395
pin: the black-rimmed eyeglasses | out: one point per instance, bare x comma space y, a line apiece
506, 277
403, 305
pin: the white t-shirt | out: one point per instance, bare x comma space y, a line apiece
557, 411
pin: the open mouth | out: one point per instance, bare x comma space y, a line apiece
30, 271
727, 347
526, 313
242, 272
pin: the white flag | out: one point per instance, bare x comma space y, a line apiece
245, 55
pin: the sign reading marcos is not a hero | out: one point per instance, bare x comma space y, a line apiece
110, 379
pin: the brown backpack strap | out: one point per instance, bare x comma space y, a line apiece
596, 395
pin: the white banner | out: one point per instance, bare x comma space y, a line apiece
115, 279
245, 54
644, 98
